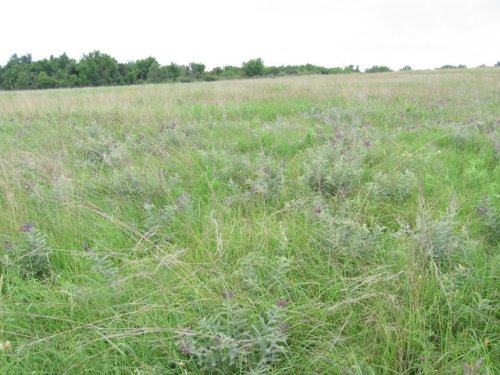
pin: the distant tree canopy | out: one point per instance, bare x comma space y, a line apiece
461, 66
99, 69
378, 69
254, 67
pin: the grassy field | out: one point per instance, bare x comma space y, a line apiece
342, 224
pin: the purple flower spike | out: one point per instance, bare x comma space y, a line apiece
27, 228
227, 294
482, 210
282, 303
186, 349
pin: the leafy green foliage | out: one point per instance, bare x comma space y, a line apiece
31, 254
228, 172
448, 66
266, 177
101, 264
490, 216
196, 70
394, 187
232, 342
332, 171
346, 237
440, 240
258, 272
378, 69
99, 69
254, 67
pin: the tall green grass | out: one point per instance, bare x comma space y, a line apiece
309, 225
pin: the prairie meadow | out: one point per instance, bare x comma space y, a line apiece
345, 224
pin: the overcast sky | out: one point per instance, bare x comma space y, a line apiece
420, 33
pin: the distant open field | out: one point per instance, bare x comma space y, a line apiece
345, 224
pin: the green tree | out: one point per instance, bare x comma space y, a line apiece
129, 73
98, 69
378, 69
196, 70
217, 71
173, 71
254, 67
18, 73
232, 72
155, 74
143, 66
44, 81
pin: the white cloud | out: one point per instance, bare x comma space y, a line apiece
424, 34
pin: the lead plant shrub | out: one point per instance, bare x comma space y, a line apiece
338, 118
173, 135
224, 166
231, 341
345, 129
393, 187
261, 273
494, 137
157, 221
330, 170
470, 369
100, 148
440, 240
490, 217
464, 137
133, 182
266, 178
63, 187
101, 264
31, 254
346, 236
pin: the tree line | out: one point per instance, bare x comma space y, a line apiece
100, 69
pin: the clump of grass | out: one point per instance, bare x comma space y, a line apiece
365, 300
330, 170
231, 341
